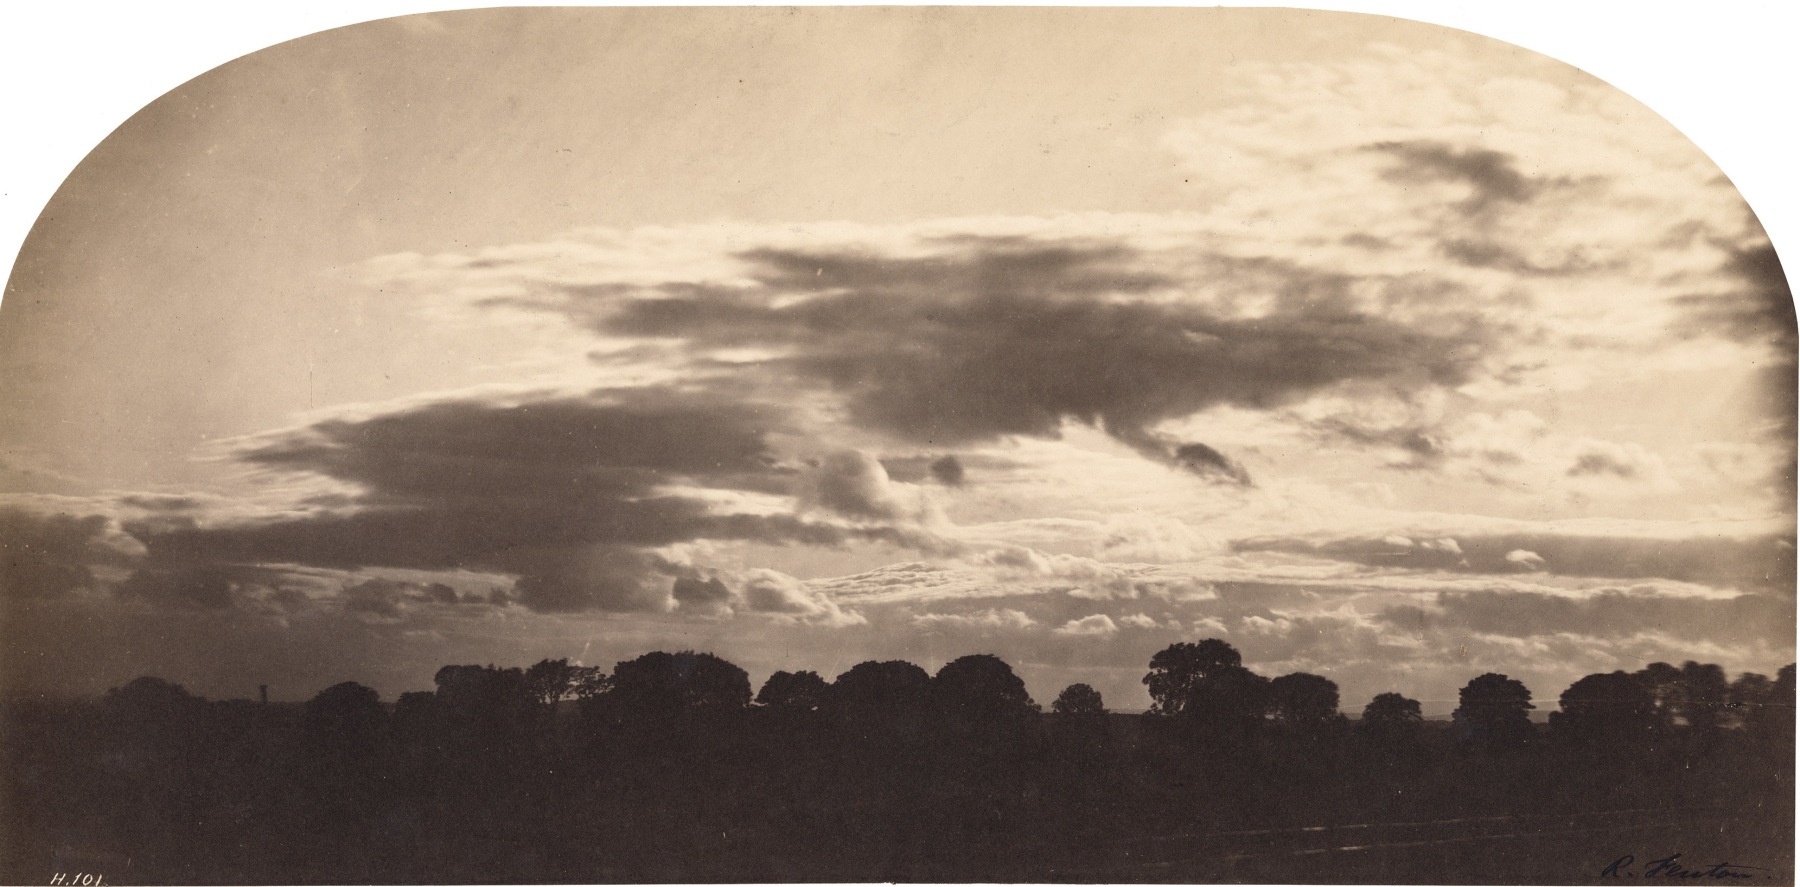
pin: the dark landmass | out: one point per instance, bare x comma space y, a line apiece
668, 770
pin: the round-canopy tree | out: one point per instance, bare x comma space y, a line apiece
1392, 715
793, 691
1303, 701
1494, 711
660, 684
1610, 711
1178, 668
1079, 701
980, 687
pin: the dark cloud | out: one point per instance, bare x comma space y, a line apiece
1762, 562
392, 599
562, 493
624, 444
203, 588
1613, 613
1208, 462
1492, 174
704, 596
162, 503
1485, 253
948, 471
1759, 309
611, 578
1601, 462
1419, 446
45, 556
1000, 336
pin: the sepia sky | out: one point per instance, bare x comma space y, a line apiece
806, 337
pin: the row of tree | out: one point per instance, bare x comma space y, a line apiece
1202, 688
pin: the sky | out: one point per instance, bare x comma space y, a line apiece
1379, 350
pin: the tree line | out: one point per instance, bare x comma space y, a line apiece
671, 766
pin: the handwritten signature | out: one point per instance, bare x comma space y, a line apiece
1670, 867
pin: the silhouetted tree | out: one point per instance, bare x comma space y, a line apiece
485, 711
1079, 701
346, 719
1391, 717
1303, 701
476, 688
980, 687
1494, 711
1663, 682
416, 716
554, 680
891, 685
151, 698
1747, 696
1778, 718
795, 691
884, 699
1702, 696
1613, 712
1229, 703
666, 684
1176, 670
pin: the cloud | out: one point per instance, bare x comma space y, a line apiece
571, 494
601, 577
390, 599
1089, 626
1138, 620
1612, 613
1083, 577
945, 336
948, 471
1208, 462
854, 484
1755, 561
1492, 176
707, 597
1626, 461
989, 620
774, 592
48, 556
1525, 560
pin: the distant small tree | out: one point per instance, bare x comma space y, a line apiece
1494, 712
793, 691
1304, 702
1079, 701
1178, 668
1391, 716
150, 697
